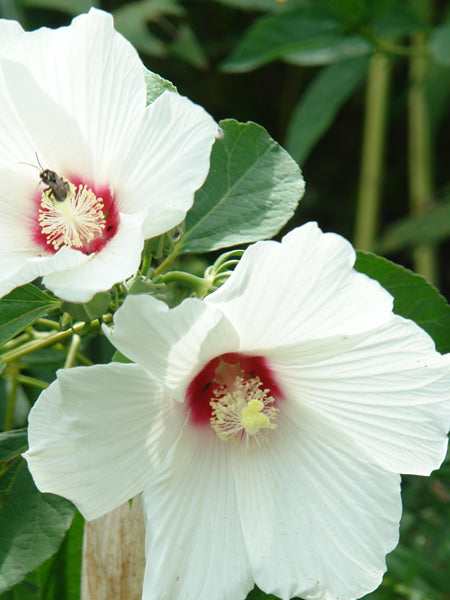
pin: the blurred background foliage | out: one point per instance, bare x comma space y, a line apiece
357, 91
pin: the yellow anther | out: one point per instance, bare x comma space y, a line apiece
243, 414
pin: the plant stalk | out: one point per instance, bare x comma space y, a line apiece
368, 203
420, 159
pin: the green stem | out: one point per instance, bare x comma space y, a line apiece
165, 263
147, 258
368, 204
32, 382
420, 171
17, 341
73, 349
198, 284
226, 257
48, 323
13, 377
50, 340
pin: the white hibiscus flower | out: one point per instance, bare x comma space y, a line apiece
266, 426
110, 172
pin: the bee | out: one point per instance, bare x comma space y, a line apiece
58, 185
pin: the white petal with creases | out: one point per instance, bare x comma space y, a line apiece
194, 543
317, 520
302, 289
169, 161
390, 395
98, 435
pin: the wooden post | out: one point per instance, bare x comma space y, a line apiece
114, 555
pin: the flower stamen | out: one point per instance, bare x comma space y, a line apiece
244, 413
74, 222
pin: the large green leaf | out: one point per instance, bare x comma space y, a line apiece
32, 525
414, 297
275, 36
21, 308
59, 577
319, 105
252, 189
429, 228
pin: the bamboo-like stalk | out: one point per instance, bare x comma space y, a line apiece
420, 169
368, 205
114, 555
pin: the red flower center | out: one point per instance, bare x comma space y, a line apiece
77, 214
237, 395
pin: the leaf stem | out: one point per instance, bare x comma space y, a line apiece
420, 171
368, 203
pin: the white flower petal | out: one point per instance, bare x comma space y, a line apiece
169, 161
97, 434
10, 31
17, 269
302, 289
86, 106
194, 543
317, 521
173, 345
390, 395
118, 260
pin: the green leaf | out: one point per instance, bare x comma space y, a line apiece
88, 311
275, 36
21, 308
131, 20
156, 85
257, 594
440, 45
252, 189
64, 572
59, 577
429, 228
32, 525
318, 107
186, 46
119, 357
339, 48
414, 297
